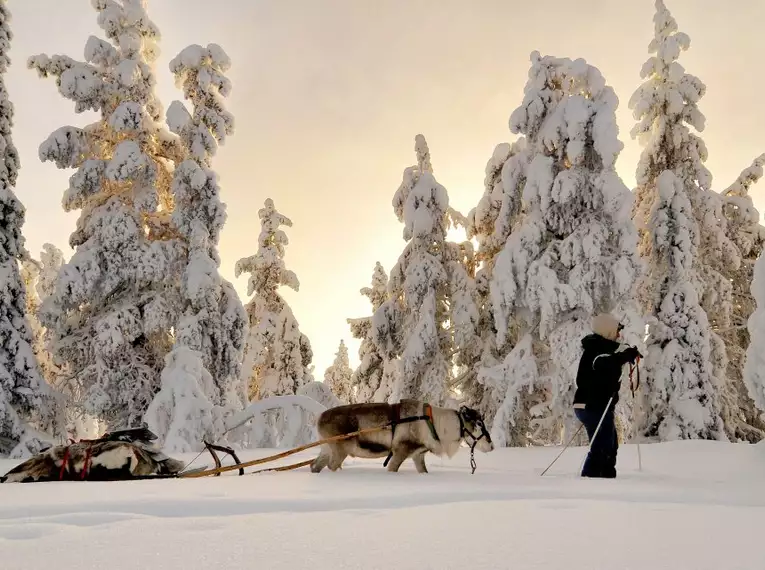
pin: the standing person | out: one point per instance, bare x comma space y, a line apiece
599, 379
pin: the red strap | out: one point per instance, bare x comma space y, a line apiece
86, 465
63, 464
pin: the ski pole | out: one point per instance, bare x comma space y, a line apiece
564, 448
597, 429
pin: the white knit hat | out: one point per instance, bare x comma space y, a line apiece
606, 325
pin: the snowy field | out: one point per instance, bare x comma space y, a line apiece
695, 506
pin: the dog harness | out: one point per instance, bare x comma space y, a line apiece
395, 419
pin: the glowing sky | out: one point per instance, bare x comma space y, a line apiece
328, 96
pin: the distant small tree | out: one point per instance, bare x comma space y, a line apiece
375, 377
39, 278
338, 375
277, 355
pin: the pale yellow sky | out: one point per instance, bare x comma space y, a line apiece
328, 97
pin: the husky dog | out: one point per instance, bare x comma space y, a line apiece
118, 455
438, 430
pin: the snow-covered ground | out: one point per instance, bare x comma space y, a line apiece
694, 506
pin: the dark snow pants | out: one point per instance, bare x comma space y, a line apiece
601, 460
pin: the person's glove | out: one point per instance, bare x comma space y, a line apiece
631, 354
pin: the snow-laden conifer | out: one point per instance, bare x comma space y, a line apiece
681, 400
338, 375
741, 415
573, 253
491, 223
40, 280
375, 377
51, 261
212, 322
666, 107
182, 413
754, 365
684, 244
277, 355
30, 411
431, 309
114, 304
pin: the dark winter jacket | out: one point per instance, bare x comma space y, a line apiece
600, 370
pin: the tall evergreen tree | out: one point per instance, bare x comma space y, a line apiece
742, 418
431, 310
30, 413
115, 300
212, 323
491, 223
215, 319
573, 253
685, 358
754, 364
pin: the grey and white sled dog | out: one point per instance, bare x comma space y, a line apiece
116, 456
438, 430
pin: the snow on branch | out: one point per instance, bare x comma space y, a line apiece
273, 403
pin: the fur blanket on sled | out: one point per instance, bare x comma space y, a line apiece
117, 456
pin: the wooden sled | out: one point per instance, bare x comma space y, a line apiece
122, 455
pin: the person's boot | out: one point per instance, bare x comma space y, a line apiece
593, 466
609, 468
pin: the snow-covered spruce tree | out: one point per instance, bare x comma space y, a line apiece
665, 106
754, 364
491, 222
375, 377
277, 355
686, 361
338, 375
182, 413
51, 261
37, 280
213, 320
40, 280
573, 253
30, 413
115, 300
741, 416
680, 401
431, 310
